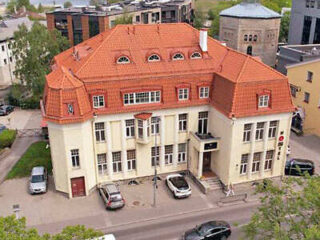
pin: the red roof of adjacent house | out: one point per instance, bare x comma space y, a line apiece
91, 68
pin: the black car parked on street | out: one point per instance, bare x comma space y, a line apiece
298, 167
214, 230
6, 109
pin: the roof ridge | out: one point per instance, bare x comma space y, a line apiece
242, 68
100, 46
268, 67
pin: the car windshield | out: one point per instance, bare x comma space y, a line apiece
37, 178
203, 229
179, 182
115, 197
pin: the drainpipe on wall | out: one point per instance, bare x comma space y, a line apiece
94, 148
188, 158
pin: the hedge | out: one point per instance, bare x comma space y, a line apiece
7, 138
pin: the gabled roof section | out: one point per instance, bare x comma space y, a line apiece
62, 78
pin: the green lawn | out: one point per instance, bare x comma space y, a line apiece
36, 155
205, 5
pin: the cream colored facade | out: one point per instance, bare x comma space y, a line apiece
300, 86
225, 156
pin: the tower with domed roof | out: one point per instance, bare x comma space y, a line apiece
251, 28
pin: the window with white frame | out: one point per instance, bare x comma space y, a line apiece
195, 55
75, 159
306, 97
131, 159
183, 94
247, 132
102, 164
154, 58
309, 76
183, 122
168, 154
244, 163
155, 156
263, 101
123, 60
141, 97
273, 129
140, 128
204, 92
178, 56
116, 162
203, 122
269, 159
98, 101
155, 125
256, 162
182, 152
130, 128
259, 130
100, 132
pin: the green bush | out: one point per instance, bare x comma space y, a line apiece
7, 137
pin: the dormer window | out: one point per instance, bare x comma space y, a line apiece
263, 101
154, 58
70, 109
204, 92
183, 94
123, 60
98, 101
178, 56
195, 55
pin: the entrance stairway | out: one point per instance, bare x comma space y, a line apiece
213, 183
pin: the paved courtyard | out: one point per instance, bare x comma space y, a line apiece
22, 119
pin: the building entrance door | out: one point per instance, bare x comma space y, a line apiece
206, 162
78, 187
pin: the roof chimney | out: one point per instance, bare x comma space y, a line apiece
204, 39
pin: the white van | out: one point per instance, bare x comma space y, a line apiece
106, 237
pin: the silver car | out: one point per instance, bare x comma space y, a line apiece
38, 180
111, 196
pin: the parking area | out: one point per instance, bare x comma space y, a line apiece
22, 119
52, 211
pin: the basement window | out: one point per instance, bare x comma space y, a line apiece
154, 58
195, 55
178, 56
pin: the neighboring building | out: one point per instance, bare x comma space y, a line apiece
7, 60
292, 54
304, 22
221, 112
79, 24
251, 28
304, 81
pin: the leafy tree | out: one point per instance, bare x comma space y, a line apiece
67, 4
78, 232
40, 8
199, 18
211, 14
284, 27
13, 229
276, 5
124, 19
95, 2
34, 50
289, 211
17, 4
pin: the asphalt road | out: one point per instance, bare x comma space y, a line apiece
172, 228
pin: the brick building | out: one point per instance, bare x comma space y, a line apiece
79, 24
251, 28
214, 112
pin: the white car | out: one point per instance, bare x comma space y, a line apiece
178, 185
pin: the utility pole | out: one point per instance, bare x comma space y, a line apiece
155, 165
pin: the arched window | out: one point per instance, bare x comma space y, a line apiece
178, 56
154, 58
195, 55
249, 50
250, 38
246, 37
255, 38
123, 60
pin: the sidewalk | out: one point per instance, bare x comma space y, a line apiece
17, 150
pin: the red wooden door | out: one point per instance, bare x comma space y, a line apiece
78, 187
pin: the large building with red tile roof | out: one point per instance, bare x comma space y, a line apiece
168, 96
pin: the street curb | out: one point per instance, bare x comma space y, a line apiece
178, 214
